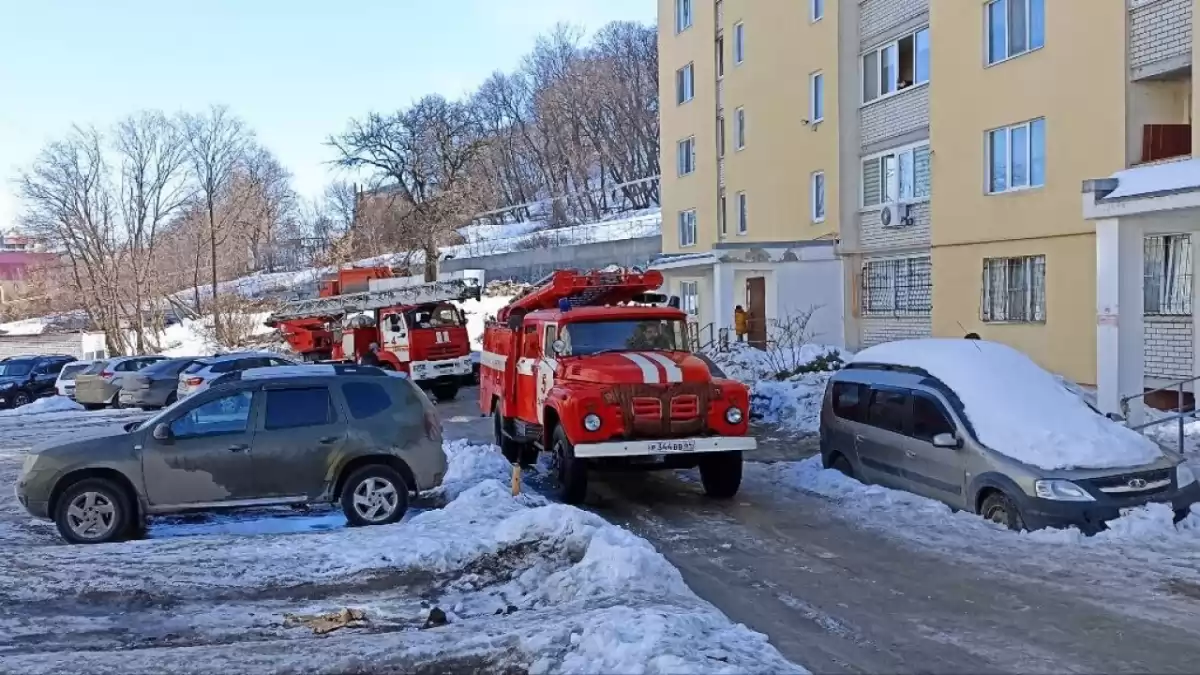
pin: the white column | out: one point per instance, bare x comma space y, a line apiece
1120, 340
1195, 304
723, 299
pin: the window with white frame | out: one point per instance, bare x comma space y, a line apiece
896, 175
687, 228
1167, 280
739, 42
743, 222
816, 10
683, 15
686, 155
689, 297
1014, 27
722, 221
897, 287
739, 128
816, 97
685, 84
1016, 157
896, 66
817, 191
1014, 290
720, 136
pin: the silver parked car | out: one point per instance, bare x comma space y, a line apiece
200, 374
903, 426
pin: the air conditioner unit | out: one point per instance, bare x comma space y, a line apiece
897, 215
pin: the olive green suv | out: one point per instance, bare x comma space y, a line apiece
354, 435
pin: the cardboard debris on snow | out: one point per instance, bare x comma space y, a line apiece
329, 622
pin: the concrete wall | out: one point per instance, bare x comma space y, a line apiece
71, 344
534, 264
1169, 353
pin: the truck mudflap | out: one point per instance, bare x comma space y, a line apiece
669, 446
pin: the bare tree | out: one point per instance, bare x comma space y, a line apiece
217, 143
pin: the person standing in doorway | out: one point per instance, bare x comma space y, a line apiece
740, 323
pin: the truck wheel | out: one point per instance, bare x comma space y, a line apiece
721, 474
570, 473
445, 392
93, 511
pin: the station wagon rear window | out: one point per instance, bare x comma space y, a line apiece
847, 400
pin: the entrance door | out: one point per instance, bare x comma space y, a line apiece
756, 311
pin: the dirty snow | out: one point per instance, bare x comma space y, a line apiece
1017, 408
793, 403
527, 586
49, 404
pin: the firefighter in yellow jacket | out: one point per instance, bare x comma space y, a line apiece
740, 323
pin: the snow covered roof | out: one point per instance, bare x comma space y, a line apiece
683, 260
1017, 408
1155, 179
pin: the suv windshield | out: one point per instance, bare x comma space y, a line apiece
613, 336
15, 368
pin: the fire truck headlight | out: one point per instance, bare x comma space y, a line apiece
591, 422
734, 415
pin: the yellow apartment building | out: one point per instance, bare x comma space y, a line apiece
929, 154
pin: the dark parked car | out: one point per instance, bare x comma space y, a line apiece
351, 435
25, 378
155, 385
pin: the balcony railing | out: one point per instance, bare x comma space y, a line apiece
1165, 141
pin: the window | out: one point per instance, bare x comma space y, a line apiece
549, 335
896, 66
739, 42
901, 174
683, 15
297, 408
1017, 157
743, 217
720, 56
888, 410
816, 98
818, 197
722, 221
686, 155
739, 128
366, 399
689, 297
687, 228
929, 419
1014, 27
225, 415
685, 84
720, 136
1167, 287
897, 287
1014, 289
591, 337
847, 400
816, 10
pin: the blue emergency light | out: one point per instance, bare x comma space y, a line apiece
564, 304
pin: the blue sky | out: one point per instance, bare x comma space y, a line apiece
295, 70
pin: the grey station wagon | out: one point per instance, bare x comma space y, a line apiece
901, 427
293, 435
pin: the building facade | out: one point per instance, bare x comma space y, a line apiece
949, 140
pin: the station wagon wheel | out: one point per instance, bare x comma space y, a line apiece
374, 495
92, 511
1002, 510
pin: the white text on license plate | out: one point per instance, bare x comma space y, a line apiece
663, 447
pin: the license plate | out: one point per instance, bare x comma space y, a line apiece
663, 447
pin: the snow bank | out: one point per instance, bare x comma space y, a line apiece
50, 404
793, 403
1017, 408
478, 311
24, 327
189, 337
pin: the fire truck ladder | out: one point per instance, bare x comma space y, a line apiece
584, 289
338, 306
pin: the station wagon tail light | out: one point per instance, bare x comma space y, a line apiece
194, 381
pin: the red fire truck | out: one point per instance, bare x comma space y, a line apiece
594, 368
416, 325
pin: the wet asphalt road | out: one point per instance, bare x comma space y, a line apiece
837, 597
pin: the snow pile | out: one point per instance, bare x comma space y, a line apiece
190, 337
792, 403
50, 404
1017, 408
478, 312
34, 326
526, 586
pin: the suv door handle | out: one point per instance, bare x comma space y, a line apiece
858, 439
239, 447
330, 440
910, 453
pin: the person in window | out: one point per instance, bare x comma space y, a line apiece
371, 356
740, 323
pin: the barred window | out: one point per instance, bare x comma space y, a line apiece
1014, 289
897, 287
1167, 285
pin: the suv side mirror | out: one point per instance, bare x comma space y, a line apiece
162, 432
946, 441
558, 347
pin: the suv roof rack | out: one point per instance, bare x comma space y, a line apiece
859, 365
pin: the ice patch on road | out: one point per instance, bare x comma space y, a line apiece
50, 404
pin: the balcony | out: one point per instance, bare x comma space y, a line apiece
1165, 141
1160, 39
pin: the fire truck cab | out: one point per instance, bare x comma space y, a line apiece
595, 369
